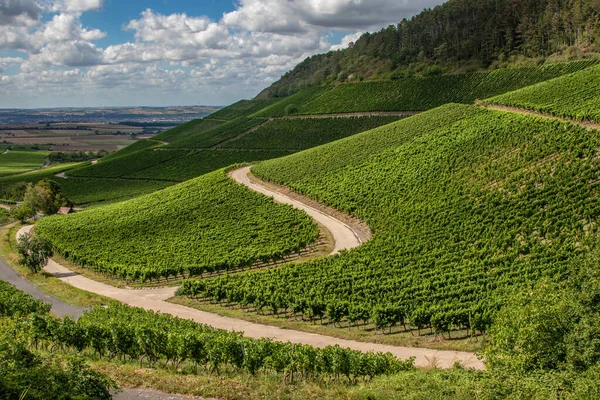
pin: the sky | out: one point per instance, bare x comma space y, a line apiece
91, 53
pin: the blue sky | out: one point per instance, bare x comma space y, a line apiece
56, 53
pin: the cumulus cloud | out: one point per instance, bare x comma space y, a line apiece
238, 55
77, 6
284, 16
19, 12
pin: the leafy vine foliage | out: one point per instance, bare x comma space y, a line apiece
464, 204
208, 224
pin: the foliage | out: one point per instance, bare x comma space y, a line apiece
455, 34
464, 203
195, 127
21, 212
575, 96
299, 134
44, 197
16, 162
132, 148
242, 108
14, 302
4, 215
34, 252
204, 225
192, 164
76, 156
227, 131
280, 108
419, 93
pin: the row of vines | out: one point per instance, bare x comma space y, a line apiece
132, 334
465, 205
205, 225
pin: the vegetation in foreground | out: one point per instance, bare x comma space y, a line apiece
535, 352
208, 224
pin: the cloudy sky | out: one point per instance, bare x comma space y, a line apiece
57, 53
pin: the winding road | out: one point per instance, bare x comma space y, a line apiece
345, 238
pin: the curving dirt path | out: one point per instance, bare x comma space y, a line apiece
154, 299
345, 237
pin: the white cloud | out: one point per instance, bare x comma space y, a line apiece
77, 6
176, 56
346, 40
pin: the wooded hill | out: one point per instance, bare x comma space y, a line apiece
459, 34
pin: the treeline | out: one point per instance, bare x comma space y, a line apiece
480, 32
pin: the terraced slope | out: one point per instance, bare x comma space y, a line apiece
242, 108
191, 128
575, 96
300, 134
204, 225
419, 94
464, 203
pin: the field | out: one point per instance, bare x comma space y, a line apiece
575, 96
191, 128
242, 108
419, 94
218, 135
464, 204
289, 105
299, 134
17, 162
204, 225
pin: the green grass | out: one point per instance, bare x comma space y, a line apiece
464, 203
300, 134
206, 224
575, 96
191, 128
242, 108
44, 281
425, 93
17, 162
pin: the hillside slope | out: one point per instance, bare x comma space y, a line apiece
464, 203
457, 35
575, 96
204, 225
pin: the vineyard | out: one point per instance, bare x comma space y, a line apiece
575, 96
186, 130
464, 203
227, 131
193, 164
205, 225
289, 105
126, 333
17, 162
299, 134
242, 108
132, 148
87, 190
425, 93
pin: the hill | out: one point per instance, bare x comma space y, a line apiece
458, 35
465, 204
575, 96
204, 225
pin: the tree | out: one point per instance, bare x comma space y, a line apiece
44, 197
21, 212
34, 252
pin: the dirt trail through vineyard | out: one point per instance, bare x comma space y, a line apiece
155, 300
524, 111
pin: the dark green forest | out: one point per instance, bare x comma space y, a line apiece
458, 35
